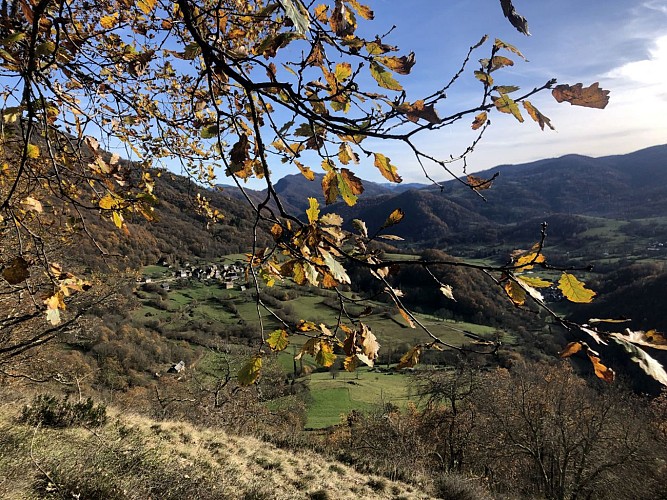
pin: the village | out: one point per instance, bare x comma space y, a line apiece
229, 276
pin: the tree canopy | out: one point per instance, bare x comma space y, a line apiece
230, 88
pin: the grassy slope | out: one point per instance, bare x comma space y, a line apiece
133, 457
330, 398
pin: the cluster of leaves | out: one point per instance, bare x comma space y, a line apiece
229, 86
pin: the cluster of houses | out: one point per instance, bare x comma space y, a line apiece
228, 275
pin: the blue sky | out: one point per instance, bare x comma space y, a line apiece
621, 44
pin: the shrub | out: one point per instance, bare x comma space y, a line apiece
47, 411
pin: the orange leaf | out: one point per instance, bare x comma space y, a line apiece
570, 349
480, 120
601, 371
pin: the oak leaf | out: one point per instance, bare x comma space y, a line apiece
515, 292
578, 95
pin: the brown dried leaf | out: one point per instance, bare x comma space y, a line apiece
480, 120
537, 116
577, 95
16, 271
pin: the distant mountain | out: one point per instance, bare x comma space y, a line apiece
561, 190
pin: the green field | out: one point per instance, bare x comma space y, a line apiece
363, 390
188, 306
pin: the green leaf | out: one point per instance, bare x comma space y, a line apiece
209, 132
384, 78
249, 373
278, 340
574, 290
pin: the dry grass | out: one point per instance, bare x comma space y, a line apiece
133, 457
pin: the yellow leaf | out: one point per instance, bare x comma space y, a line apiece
343, 71
249, 373
394, 218
349, 186
330, 187
325, 355
574, 290
384, 78
533, 256
535, 281
502, 45
350, 363
388, 171
505, 104
108, 22
401, 65
362, 10
313, 212
516, 294
117, 218
305, 171
33, 151
107, 202
410, 358
146, 6
346, 155
278, 340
